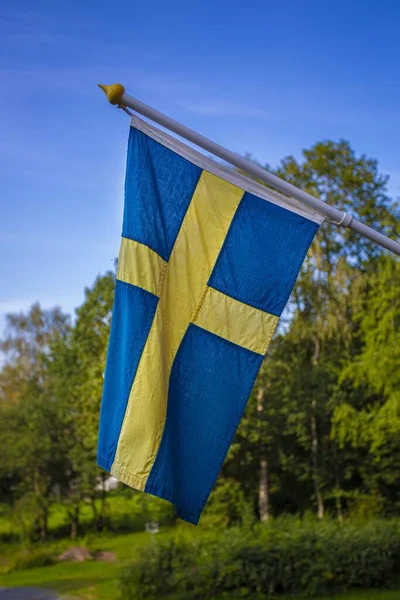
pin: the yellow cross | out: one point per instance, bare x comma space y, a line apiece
184, 298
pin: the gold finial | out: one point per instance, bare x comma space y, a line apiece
113, 92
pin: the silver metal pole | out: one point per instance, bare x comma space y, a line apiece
116, 95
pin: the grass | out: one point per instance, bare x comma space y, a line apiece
99, 580
87, 581
90, 580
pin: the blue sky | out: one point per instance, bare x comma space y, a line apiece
259, 77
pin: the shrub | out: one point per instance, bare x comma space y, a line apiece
29, 558
227, 506
287, 556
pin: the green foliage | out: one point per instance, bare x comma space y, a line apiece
287, 557
377, 365
29, 419
227, 505
367, 419
31, 557
127, 511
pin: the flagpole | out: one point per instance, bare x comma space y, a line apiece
117, 96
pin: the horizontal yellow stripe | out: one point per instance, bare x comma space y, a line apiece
194, 254
237, 322
140, 265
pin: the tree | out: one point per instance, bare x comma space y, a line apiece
369, 418
322, 297
77, 381
29, 423
300, 386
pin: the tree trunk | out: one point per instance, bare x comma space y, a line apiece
314, 452
43, 524
263, 497
339, 510
75, 523
95, 512
41, 519
263, 492
314, 439
338, 499
102, 522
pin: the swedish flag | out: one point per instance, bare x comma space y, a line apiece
207, 262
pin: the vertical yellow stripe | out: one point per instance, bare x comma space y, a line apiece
196, 249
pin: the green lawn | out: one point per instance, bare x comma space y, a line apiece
90, 580
87, 581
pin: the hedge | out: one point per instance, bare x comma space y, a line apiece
286, 557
